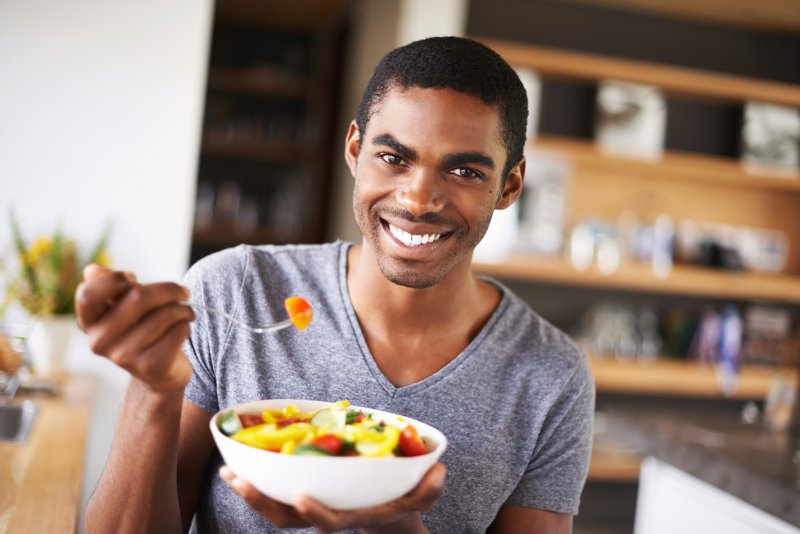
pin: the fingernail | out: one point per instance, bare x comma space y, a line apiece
130, 276
186, 293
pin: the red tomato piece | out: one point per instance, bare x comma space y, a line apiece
410, 442
287, 421
299, 310
328, 443
249, 419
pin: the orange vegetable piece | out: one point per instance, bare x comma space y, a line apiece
300, 311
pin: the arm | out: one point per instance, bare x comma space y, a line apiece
140, 328
519, 520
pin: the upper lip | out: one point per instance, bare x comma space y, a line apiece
417, 229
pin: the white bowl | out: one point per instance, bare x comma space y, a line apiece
344, 483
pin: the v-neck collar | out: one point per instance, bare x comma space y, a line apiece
391, 390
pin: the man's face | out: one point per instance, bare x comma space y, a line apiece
427, 179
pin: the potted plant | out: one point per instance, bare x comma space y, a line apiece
44, 286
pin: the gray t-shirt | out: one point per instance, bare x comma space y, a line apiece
516, 405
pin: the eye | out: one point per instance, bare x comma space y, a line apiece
391, 159
468, 174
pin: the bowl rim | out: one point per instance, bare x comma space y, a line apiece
438, 439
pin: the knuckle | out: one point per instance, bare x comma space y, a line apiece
121, 358
118, 277
137, 295
97, 342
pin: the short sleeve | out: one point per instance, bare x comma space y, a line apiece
556, 474
214, 282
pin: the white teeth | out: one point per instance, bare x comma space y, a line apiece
412, 240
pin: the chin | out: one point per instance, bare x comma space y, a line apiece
411, 278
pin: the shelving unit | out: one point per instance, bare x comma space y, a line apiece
266, 161
683, 185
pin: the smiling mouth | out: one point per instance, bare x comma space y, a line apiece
412, 240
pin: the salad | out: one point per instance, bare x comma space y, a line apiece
335, 430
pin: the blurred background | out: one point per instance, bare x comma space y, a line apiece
660, 223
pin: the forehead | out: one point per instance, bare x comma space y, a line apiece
441, 119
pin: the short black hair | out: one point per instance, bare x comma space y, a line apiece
459, 64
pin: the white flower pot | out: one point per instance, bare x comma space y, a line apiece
48, 342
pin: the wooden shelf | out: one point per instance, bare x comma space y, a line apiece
683, 280
681, 378
251, 148
612, 462
676, 80
263, 81
671, 166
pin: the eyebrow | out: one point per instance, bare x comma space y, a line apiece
467, 158
394, 144
451, 160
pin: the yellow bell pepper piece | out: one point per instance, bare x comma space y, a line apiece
270, 437
291, 411
375, 444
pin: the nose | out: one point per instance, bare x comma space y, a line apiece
419, 194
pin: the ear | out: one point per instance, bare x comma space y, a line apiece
351, 145
513, 187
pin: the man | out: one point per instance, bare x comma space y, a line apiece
401, 324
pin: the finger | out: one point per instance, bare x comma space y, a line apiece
326, 519
163, 365
92, 297
421, 498
279, 514
147, 331
428, 491
136, 303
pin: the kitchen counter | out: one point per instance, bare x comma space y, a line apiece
40, 479
746, 461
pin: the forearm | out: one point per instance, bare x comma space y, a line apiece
138, 489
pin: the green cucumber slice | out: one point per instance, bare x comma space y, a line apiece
230, 423
306, 449
330, 420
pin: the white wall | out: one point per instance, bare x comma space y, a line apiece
100, 110
425, 18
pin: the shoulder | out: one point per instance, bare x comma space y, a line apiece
236, 261
536, 347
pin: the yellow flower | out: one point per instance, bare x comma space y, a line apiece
103, 259
40, 247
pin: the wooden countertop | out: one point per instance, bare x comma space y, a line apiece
41, 478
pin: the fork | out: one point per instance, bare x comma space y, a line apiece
254, 329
